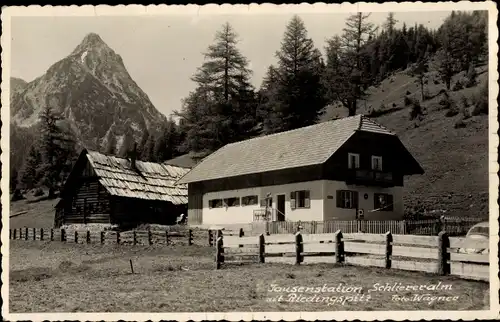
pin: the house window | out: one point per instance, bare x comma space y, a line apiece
376, 163
249, 200
300, 199
353, 161
383, 202
232, 202
347, 199
215, 203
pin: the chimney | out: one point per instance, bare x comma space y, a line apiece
133, 156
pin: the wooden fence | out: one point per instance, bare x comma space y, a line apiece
440, 254
134, 237
454, 226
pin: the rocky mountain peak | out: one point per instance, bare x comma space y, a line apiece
91, 41
92, 89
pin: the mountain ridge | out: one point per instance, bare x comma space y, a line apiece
91, 89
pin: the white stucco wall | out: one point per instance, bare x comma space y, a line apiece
321, 207
334, 213
244, 214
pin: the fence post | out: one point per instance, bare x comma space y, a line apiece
166, 237
242, 233
210, 241
339, 247
150, 237
299, 248
15, 230
63, 235
388, 249
262, 248
41, 233
102, 237
51, 234
88, 236
10, 233
26, 234
135, 237
117, 237
190, 237
76, 236
219, 248
443, 255
219, 235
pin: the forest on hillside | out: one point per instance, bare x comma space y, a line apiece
225, 107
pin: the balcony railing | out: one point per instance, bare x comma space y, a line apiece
371, 177
269, 214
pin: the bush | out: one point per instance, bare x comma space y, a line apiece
471, 77
17, 195
446, 102
436, 82
416, 110
460, 124
458, 86
465, 113
408, 93
451, 112
38, 192
407, 101
394, 105
480, 101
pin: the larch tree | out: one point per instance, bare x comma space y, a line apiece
298, 89
390, 23
222, 107
356, 34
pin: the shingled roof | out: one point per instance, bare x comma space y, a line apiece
305, 146
151, 181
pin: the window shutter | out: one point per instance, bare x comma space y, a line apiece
339, 199
307, 201
355, 199
375, 201
292, 200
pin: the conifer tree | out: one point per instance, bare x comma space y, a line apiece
298, 92
111, 145
57, 149
350, 78
216, 112
28, 175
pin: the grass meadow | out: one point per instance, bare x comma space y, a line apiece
59, 277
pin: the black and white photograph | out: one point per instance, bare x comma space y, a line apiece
250, 162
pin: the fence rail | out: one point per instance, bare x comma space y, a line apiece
442, 254
455, 226
134, 237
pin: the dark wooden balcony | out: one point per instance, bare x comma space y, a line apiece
370, 178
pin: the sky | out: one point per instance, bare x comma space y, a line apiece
161, 53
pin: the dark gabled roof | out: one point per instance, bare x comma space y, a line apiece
188, 160
151, 181
305, 146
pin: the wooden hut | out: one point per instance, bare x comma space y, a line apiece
126, 192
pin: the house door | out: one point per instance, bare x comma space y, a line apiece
280, 214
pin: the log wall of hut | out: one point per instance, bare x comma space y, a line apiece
88, 202
131, 212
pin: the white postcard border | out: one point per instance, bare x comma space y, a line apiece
260, 9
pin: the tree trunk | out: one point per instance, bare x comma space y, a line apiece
422, 87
